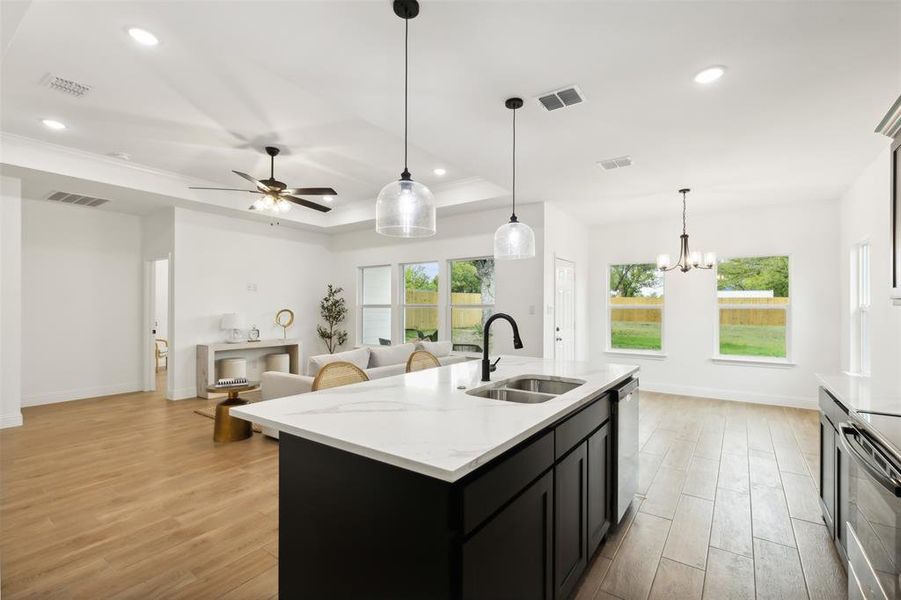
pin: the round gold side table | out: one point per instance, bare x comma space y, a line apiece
228, 428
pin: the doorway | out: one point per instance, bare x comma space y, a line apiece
158, 353
564, 310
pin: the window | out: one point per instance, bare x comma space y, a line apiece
420, 302
636, 307
375, 305
753, 304
471, 301
860, 303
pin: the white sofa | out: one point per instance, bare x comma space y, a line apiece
376, 362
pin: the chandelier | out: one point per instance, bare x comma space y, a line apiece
687, 260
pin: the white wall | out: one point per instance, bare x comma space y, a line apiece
82, 299
865, 216
519, 284
567, 238
215, 259
161, 298
807, 233
10, 302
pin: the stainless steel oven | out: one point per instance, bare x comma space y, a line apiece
873, 512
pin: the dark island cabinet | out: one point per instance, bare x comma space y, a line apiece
522, 526
571, 519
510, 557
599, 487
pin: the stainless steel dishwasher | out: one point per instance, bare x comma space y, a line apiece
624, 420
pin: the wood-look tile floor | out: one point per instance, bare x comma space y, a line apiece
128, 497
727, 508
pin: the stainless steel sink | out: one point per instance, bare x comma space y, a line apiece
542, 384
527, 389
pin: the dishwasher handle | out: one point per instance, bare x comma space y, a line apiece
848, 431
626, 389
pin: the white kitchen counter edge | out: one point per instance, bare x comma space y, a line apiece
590, 391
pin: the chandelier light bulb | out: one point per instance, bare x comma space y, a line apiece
663, 261
709, 259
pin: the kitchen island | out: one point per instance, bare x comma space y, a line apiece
429, 485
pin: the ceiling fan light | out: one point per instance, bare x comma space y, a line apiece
258, 204
405, 208
514, 240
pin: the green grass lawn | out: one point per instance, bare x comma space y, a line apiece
753, 340
635, 335
735, 340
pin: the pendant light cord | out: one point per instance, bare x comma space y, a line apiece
513, 218
406, 78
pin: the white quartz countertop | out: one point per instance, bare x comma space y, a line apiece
863, 394
422, 422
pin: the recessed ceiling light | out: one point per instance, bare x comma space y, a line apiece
143, 37
120, 155
710, 74
440, 172
328, 198
53, 124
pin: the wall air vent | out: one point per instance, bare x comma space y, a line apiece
615, 163
561, 98
66, 86
78, 199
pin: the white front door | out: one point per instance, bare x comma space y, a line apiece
564, 310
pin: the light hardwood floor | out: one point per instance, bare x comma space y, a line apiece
128, 497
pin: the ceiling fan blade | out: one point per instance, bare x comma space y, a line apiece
224, 189
307, 203
260, 185
320, 191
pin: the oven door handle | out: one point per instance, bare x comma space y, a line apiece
847, 431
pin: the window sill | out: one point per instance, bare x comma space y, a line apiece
637, 353
779, 363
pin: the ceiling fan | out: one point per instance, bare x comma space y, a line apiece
276, 196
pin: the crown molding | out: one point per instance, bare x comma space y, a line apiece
890, 125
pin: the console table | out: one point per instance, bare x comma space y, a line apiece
252, 352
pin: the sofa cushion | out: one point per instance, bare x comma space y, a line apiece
386, 371
358, 357
437, 349
382, 356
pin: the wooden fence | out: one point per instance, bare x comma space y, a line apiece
728, 316
426, 319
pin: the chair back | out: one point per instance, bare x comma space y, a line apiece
421, 360
337, 374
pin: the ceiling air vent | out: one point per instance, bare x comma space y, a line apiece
78, 199
561, 98
66, 86
615, 163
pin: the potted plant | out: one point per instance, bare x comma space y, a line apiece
333, 310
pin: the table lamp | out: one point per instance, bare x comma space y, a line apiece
232, 323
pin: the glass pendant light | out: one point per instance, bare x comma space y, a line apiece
405, 208
514, 240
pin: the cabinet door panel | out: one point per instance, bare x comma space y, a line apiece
827, 473
570, 519
598, 487
511, 556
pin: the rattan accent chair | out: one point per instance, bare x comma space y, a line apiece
337, 374
422, 360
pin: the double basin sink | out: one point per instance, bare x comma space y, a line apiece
527, 389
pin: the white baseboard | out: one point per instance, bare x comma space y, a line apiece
188, 393
81, 394
734, 395
11, 420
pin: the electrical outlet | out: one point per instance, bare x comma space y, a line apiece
251, 287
